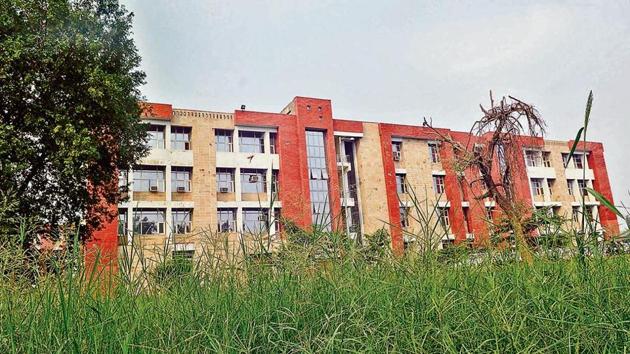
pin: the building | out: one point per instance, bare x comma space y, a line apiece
235, 172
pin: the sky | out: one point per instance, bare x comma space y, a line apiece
398, 61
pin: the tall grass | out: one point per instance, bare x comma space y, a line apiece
349, 302
321, 291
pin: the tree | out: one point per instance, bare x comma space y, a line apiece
494, 152
69, 113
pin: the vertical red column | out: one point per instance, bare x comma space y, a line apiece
601, 184
316, 114
453, 194
391, 197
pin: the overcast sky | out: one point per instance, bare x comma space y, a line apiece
397, 61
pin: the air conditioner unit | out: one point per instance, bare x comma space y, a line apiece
396, 155
253, 178
181, 189
224, 190
154, 189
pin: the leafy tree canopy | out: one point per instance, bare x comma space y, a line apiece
69, 114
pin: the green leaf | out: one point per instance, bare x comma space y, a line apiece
604, 201
575, 142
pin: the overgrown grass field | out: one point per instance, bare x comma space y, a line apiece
346, 303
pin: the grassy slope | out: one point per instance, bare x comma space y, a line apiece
394, 306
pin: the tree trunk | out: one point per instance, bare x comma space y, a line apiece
521, 244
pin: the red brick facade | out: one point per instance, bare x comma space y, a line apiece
304, 114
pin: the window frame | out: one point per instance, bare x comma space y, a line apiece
578, 161
582, 187
224, 140
439, 183
245, 141
262, 224
182, 220
404, 216
531, 159
273, 143
176, 181
181, 138
245, 176
434, 152
231, 220
444, 216
124, 212
153, 142
537, 187
159, 222
139, 179
401, 183
223, 182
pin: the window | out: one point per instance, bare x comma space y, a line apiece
565, 159
318, 179
148, 179
155, 136
434, 152
490, 213
546, 160
438, 184
225, 180
122, 222
467, 220
404, 216
254, 220
273, 141
444, 219
277, 219
401, 183
226, 220
223, 140
397, 150
575, 212
550, 183
274, 183
253, 181
251, 141
578, 161
582, 184
123, 181
182, 221
180, 179
588, 213
570, 186
180, 138
531, 157
537, 186
148, 222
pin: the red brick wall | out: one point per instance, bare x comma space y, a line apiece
601, 183
160, 111
309, 114
386, 132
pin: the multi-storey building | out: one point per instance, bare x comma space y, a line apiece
232, 173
